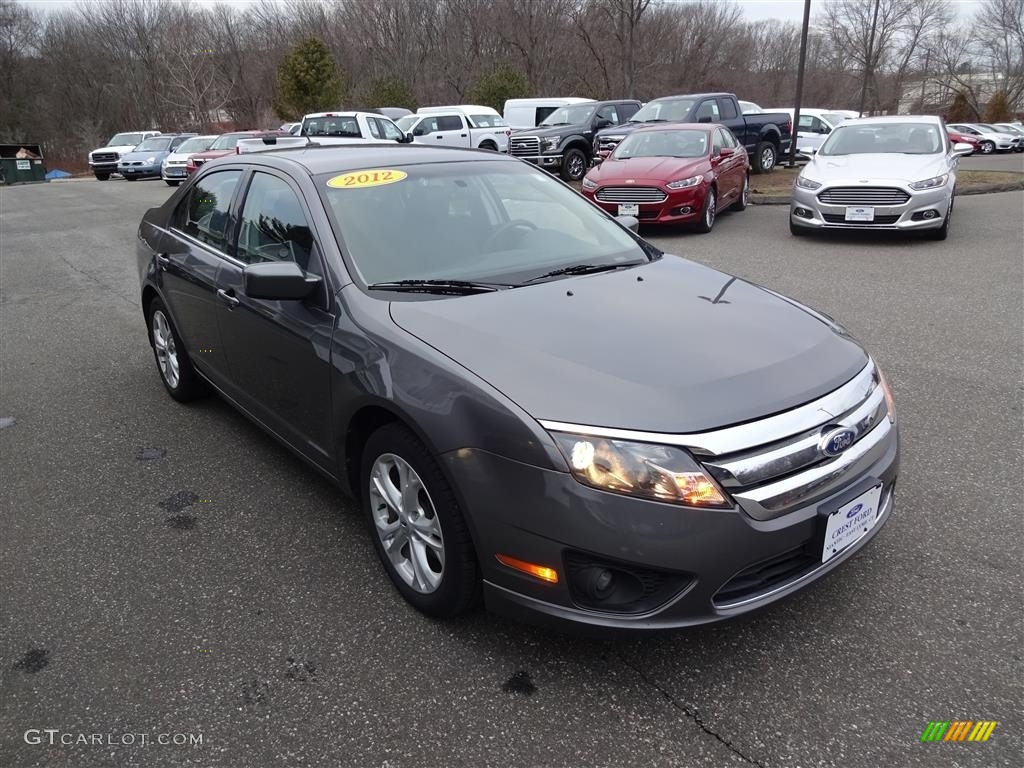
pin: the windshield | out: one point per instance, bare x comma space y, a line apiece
883, 138
156, 144
228, 140
347, 127
657, 143
197, 144
484, 221
406, 123
987, 127
125, 139
572, 114
663, 111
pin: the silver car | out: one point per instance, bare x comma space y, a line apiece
893, 173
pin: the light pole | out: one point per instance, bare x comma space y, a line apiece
795, 133
867, 61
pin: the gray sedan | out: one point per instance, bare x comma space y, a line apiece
880, 173
533, 405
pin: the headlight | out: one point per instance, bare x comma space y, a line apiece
890, 404
150, 160
550, 144
588, 184
693, 181
935, 181
805, 183
657, 472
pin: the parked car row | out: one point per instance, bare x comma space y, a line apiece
1002, 137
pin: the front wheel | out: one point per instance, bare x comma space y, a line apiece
744, 199
574, 165
490, 146
988, 147
765, 157
419, 533
172, 183
128, 178
707, 219
102, 176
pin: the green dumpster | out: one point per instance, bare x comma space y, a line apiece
21, 163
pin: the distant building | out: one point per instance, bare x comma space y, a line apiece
935, 94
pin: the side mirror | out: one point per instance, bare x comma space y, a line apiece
406, 138
417, 131
705, 119
597, 159
602, 122
278, 280
632, 223
962, 148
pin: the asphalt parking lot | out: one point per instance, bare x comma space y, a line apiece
259, 618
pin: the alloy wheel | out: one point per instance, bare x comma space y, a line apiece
709, 211
166, 351
406, 523
767, 158
576, 166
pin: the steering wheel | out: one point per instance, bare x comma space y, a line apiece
507, 227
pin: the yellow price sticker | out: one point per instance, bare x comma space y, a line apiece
373, 177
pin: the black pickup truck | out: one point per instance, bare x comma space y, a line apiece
564, 141
766, 135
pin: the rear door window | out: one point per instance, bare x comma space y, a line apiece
204, 213
449, 123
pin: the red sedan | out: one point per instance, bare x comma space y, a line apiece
963, 138
673, 174
225, 144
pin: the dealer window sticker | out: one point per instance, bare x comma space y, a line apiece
372, 177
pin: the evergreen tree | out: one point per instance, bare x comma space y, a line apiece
307, 81
998, 109
960, 110
389, 92
496, 87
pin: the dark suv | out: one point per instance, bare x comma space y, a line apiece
564, 141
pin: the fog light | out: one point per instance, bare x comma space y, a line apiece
683, 210
803, 213
600, 582
931, 214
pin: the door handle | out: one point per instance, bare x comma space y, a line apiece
162, 262
227, 298
439, 138
462, 135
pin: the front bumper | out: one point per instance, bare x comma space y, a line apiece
547, 517
139, 171
174, 172
807, 210
680, 206
107, 167
548, 162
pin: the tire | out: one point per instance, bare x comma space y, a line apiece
455, 587
744, 199
171, 183
988, 147
942, 232
172, 361
707, 218
574, 165
795, 229
490, 146
102, 176
128, 178
766, 155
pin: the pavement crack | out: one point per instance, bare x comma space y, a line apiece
692, 714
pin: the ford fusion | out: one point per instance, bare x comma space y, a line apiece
532, 405
895, 173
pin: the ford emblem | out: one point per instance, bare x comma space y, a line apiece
838, 440
853, 512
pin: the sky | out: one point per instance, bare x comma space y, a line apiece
787, 10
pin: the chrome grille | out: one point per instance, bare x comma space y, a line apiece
524, 146
608, 143
199, 161
875, 196
105, 157
631, 195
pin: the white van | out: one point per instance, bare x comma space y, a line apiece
528, 113
462, 125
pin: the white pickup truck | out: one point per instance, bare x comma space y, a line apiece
350, 128
467, 125
103, 161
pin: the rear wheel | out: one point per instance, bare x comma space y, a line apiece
490, 146
988, 147
172, 183
707, 219
744, 199
128, 178
102, 176
418, 531
765, 157
574, 165
172, 361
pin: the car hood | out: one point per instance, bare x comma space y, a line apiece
159, 154
179, 157
623, 129
212, 154
120, 149
876, 167
686, 349
648, 169
553, 130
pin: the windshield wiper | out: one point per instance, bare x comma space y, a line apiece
550, 125
657, 120
457, 287
585, 269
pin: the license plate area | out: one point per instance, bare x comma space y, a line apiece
629, 209
850, 522
859, 213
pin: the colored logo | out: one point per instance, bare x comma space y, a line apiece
837, 441
855, 511
959, 730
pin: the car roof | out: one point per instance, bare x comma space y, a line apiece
337, 158
458, 108
342, 113
694, 96
548, 101
882, 119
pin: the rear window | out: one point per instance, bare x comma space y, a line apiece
197, 144
347, 127
664, 111
487, 121
228, 140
